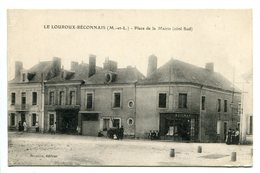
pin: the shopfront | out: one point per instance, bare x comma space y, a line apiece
179, 126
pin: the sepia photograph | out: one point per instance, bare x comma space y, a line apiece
130, 88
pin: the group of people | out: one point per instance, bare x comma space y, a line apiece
154, 134
22, 126
232, 136
117, 133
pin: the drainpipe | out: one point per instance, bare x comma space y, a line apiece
135, 111
42, 105
200, 117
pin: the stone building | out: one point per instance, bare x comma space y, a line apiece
25, 94
186, 103
108, 100
63, 96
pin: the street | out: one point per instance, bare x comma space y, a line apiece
33, 149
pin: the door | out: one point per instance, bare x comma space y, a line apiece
23, 117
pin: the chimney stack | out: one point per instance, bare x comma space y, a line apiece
74, 66
56, 65
110, 65
152, 64
18, 68
92, 65
210, 66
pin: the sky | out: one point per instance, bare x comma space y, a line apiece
223, 37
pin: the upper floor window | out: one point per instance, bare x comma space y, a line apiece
23, 98
162, 100
89, 100
13, 99
72, 97
203, 100
182, 100
225, 106
51, 98
34, 98
116, 100
219, 105
62, 98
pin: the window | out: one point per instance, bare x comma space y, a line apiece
182, 100
62, 98
34, 98
162, 100
117, 100
51, 119
72, 98
89, 100
13, 99
105, 124
23, 77
51, 98
23, 98
116, 123
130, 121
225, 105
219, 105
12, 119
34, 119
131, 104
203, 100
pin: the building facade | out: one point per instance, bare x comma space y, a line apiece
186, 103
179, 100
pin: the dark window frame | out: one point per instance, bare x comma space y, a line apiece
12, 119
13, 98
183, 100
225, 106
203, 103
51, 98
72, 97
34, 98
89, 104
117, 100
34, 119
219, 105
162, 100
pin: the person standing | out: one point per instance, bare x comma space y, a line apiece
37, 127
78, 130
233, 139
54, 128
24, 126
237, 136
228, 138
121, 133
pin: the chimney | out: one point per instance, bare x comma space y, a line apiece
209, 67
18, 68
74, 66
56, 66
92, 65
152, 64
110, 65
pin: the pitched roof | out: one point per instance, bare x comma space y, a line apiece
35, 72
124, 76
175, 71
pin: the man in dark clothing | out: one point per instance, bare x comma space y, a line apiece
228, 140
121, 133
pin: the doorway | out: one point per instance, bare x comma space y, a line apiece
225, 131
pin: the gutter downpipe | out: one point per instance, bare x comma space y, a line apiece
200, 117
42, 105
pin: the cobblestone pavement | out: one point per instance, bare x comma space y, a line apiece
57, 150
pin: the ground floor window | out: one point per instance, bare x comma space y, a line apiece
106, 124
34, 119
12, 119
116, 122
